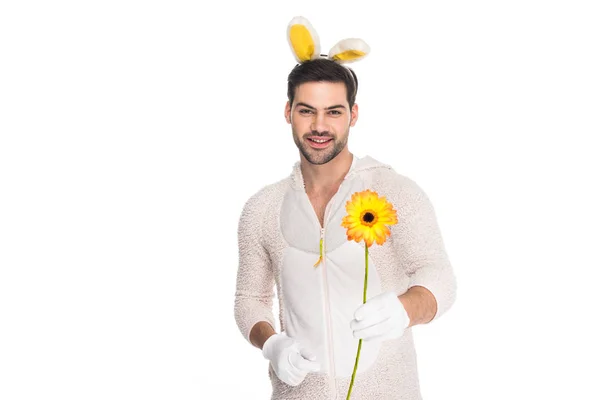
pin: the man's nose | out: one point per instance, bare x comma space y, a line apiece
319, 123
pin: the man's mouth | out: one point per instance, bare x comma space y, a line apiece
319, 142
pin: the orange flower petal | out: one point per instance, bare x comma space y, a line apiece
385, 214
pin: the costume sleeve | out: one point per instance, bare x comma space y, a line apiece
254, 286
420, 246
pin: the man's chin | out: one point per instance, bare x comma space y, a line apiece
319, 158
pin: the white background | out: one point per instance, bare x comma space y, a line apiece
132, 133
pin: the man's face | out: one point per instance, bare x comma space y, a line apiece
321, 119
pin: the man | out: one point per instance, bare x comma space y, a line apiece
320, 283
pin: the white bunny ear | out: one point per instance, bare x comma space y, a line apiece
303, 39
349, 50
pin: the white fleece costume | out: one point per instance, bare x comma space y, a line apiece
279, 237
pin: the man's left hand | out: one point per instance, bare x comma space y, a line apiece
381, 317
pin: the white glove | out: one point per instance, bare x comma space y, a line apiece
381, 317
290, 361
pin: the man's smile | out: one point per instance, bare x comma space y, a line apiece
319, 142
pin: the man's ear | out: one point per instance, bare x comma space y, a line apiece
288, 112
354, 114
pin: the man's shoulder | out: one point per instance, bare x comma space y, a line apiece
381, 170
388, 181
267, 197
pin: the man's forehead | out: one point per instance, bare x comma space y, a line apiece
321, 94
322, 86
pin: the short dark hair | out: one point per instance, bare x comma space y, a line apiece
322, 70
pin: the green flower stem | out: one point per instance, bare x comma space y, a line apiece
360, 340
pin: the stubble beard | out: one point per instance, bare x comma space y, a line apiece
320, 157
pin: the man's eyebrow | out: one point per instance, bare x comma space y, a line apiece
313, 108
305, 105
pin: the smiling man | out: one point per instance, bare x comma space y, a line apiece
290, 237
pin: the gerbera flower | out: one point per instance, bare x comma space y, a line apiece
368, 215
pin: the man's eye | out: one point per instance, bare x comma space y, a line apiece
305, 111
335, 112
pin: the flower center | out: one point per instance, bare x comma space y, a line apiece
368, 218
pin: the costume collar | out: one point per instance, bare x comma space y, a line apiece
358, 164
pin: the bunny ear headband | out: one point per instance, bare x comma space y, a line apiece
304, 41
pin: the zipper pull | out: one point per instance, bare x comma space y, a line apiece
320, 248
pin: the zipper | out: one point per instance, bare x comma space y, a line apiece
327, 303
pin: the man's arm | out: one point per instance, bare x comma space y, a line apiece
420, 305
260, 333
255, 282
419, 244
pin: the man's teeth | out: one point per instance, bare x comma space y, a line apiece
320, 140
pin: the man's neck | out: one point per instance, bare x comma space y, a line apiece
326, 177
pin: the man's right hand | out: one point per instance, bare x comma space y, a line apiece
289, 360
